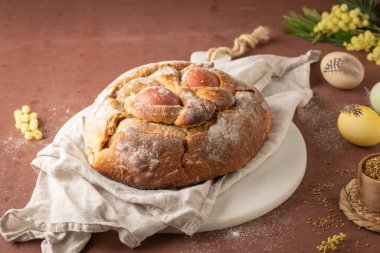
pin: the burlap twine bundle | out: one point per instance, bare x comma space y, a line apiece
241, 44
353, 208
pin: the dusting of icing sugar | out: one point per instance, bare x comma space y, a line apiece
190, 98
138, 155
326, 138
12, 143
167, 76
166, 72
53, 118
141, 157
227, 130
107, 111
160, 93
196, 110
264, 233
220, 136
162, 90
134, 86
235, 233
141, 154
153, 112
157, 95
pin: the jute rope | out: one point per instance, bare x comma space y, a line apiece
241, 44
353, 208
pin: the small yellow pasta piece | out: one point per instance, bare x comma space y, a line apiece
37, 134
34, 121
24, 127
27, 122
17, 113
33, 124
18, 118
33, 115
28, 135
33, 127
19, 123
25, 109
25, 118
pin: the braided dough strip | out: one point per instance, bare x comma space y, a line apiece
241, 44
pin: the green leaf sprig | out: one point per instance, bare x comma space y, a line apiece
354, 24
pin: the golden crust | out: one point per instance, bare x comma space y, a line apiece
215, 131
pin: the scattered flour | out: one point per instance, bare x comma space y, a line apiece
235, 233
321, 123
166, 73
264, 233
12, 144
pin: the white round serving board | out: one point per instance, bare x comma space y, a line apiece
263, 190
259, 192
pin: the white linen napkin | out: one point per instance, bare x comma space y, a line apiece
71, 200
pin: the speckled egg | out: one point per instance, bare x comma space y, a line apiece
360, 125
342, 70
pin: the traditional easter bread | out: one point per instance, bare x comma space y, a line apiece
174, 124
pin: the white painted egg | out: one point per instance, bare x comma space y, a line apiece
375, 97
342, 70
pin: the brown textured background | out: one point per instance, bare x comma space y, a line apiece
57, 55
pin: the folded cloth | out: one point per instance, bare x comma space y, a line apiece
71, 200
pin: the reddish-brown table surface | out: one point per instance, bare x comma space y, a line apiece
58, 55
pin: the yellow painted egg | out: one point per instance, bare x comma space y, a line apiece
360, 125
342, 70
375, 97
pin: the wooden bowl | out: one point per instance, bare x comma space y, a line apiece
369, 189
